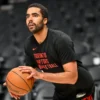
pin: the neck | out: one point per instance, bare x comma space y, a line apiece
41, 35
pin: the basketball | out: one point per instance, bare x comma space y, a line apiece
18, 83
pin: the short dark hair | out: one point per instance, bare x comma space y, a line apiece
43, 9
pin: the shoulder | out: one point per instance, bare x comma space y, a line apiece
28, 41
59, 36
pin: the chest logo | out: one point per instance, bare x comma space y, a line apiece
34, 49
43, 62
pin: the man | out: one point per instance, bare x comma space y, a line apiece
52, 51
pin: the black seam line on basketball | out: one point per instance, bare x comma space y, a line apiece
16, 86
22, 79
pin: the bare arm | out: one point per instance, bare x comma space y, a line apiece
68, 77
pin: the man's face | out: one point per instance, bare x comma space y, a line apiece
34, 20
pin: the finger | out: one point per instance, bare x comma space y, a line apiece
17, 98
31, 76
11, 95
23, 66
26, 70
20, 67
14, 96
4, 84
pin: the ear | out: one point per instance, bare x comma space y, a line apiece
45, 20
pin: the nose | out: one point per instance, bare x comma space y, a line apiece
30, 21
30, 18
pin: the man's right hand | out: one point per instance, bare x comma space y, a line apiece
11, 94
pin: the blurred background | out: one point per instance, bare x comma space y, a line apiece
80, 19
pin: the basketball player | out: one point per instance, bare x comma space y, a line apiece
52, 51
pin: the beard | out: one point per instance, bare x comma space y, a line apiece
35, 28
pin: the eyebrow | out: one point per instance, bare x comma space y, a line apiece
32, 14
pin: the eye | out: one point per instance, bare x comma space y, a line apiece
27, 16
35, 15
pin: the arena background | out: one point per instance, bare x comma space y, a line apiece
78, 18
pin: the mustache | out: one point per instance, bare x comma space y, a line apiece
31, 23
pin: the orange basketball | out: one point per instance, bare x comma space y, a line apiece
18, 83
